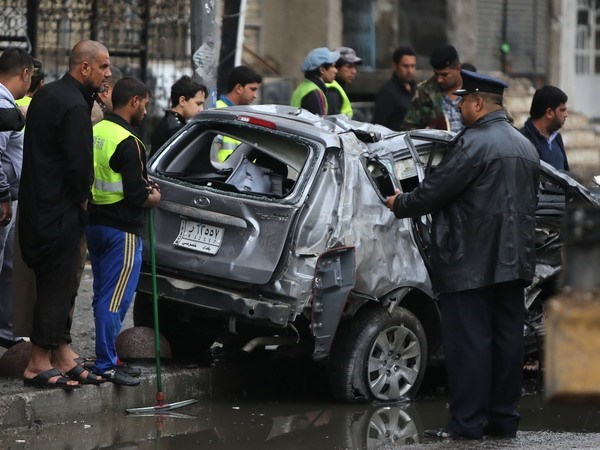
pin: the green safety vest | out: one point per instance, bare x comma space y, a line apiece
346, 106
228, 145
304, 88
108, 184
24, 101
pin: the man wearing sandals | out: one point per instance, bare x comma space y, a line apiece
55, 185
121, 195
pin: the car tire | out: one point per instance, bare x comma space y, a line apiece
378, 356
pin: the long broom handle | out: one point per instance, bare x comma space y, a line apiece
159, 393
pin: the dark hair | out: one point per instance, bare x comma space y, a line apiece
187, 88
242, 75
494, 99
127, 88
115, 77
317, 72
13, 60
402, 51
544, 98
37, 75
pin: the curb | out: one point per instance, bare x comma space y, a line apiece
21, 406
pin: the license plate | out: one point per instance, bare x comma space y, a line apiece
199, 237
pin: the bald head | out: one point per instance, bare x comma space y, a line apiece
89, 64
85, 51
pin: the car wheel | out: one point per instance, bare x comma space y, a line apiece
378, 356
185, 340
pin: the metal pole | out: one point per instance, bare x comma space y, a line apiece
206, 40
33, 7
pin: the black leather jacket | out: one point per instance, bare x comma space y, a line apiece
482, 197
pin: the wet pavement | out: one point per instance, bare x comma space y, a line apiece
273, 416
263, 401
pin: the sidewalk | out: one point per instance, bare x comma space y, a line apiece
20, 405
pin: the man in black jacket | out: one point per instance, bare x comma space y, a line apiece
482, 198
187, 100
53, 193
547, 115
393, 99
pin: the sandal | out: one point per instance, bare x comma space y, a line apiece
42, 380
76, 373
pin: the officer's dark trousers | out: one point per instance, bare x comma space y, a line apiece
483, 347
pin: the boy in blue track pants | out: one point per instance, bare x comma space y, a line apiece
121, 195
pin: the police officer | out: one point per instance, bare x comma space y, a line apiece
482, 198
337, 99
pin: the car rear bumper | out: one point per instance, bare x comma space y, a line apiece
219, 301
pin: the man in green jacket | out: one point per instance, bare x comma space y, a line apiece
434, 105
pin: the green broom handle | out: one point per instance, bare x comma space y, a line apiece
154, 300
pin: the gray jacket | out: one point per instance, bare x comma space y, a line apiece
483, 199
11, 154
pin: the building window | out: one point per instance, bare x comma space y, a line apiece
359, 29
587, 47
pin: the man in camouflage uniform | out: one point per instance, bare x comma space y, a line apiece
434, 105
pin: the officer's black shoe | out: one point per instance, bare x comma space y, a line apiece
447, 433
441, 433
495, 432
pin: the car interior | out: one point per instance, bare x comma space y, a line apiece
263, 163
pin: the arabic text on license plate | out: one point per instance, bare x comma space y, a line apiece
199, 237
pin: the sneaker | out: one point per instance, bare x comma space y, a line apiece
119, 377
8, 343
129, 370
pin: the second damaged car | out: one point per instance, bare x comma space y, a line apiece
288, 244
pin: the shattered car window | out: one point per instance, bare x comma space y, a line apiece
261, 164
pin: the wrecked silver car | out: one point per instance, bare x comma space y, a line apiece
288, 244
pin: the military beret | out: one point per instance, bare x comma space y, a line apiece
479, 82
444, 56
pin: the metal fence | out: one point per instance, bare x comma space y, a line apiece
146, 39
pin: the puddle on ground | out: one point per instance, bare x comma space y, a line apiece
290, 423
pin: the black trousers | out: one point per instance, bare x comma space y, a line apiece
56, 284
483, 347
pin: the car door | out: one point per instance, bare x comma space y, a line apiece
425, 149
229, 220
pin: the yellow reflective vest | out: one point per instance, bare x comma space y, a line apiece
108, 184
346, 105
302, 90
228, 145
